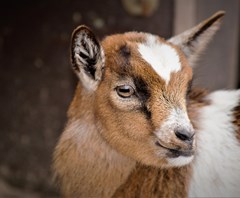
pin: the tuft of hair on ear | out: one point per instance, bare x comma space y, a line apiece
87, 57
193, 41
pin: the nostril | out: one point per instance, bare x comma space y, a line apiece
184, 135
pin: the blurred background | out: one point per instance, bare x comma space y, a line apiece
37, 83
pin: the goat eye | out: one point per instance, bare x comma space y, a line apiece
125, 91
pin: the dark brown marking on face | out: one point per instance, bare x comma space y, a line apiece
146, 111
142, 89
125, 51
143, 93
125, 55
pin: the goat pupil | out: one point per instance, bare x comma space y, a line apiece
125, 91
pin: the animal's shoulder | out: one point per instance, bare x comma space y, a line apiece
228, 102
222, 101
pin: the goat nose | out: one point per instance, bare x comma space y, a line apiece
185, 135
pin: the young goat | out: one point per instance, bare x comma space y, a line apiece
136, 129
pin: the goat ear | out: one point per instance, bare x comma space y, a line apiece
87, 57
193, 41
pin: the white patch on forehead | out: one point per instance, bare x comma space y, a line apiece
162, 57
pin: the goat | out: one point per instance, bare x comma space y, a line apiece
136, 128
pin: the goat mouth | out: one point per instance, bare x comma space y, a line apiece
173, 153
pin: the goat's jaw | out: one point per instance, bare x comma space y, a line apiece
181, 159
175, 157
177, 150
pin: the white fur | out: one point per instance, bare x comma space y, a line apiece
90, 45
89, 83
162, 57
177, 118
180, 161
216, 169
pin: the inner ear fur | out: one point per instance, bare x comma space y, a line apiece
193, 41
87, 57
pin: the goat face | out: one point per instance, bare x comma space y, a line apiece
140, 84
142, 109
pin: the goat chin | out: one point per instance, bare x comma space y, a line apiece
136, 128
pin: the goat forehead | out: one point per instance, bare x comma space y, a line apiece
163, 58
124, 57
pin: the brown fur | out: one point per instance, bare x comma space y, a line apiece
90, 169
146, 181
106, 135
139, 181
154, 182
162, 100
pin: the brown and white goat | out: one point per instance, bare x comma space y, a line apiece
136, 129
